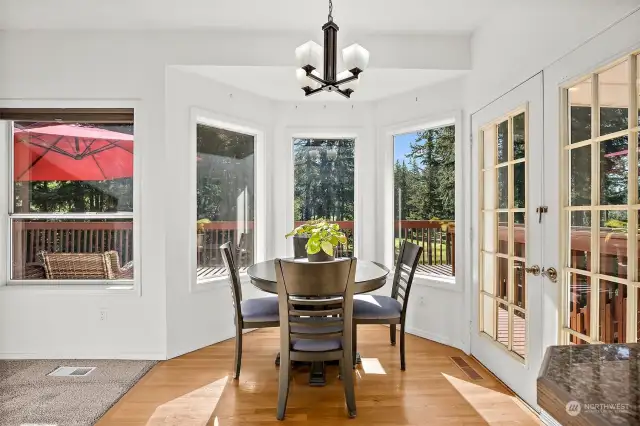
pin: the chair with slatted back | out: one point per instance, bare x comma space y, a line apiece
316, 318
375, 309
250, 313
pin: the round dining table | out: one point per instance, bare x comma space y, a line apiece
370, 276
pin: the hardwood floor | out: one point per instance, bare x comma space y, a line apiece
198, 389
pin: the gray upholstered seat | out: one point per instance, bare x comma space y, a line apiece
308, 345
262, 309
376, 307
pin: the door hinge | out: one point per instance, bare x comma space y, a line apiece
540, 210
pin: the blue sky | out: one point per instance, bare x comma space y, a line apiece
401, 146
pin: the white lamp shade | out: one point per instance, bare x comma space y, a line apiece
355, 56
353, 85
304, 81
309, 53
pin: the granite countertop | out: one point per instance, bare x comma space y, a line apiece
603, 379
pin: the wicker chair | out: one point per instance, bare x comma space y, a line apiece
65, 266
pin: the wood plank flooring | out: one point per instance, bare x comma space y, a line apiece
198, 389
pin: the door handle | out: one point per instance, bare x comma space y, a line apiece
550, 273
534, 270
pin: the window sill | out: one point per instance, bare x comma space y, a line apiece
77, 286
439, 282
221, 281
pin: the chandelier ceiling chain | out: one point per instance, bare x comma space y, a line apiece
310, 60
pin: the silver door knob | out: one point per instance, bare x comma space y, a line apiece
534, 270
550, 273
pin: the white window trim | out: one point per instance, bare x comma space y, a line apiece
220, 121
386, 164
93, 287
291, 133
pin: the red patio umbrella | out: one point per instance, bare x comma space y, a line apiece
71, 152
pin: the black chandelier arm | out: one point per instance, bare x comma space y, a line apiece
308, 91
316, 78
346, 80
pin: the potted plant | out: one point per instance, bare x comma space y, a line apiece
322, 237
200, 231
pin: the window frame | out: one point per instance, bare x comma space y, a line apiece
7, 205
355, 133
387, 155
233, 124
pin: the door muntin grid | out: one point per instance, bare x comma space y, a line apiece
600, 149
503, 208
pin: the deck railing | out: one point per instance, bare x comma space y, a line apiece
31, 238
437, 238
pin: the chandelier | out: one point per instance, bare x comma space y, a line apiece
309, 59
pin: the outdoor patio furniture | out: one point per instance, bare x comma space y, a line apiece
90, 266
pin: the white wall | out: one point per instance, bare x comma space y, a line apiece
203, 316
63, 70
432, 301
509, 49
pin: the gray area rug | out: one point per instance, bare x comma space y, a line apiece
29, 397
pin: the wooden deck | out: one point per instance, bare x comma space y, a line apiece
207, 272
198, 389
519, 332
441, 270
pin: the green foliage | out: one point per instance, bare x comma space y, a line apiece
323, 179
427, 182
322, 235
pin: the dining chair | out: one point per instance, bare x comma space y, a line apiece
250, 313
377, 309
316, 318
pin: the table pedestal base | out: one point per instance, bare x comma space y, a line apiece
317, 371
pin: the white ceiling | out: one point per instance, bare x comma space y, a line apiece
279, 83
423, 16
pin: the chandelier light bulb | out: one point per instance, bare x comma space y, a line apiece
355, 56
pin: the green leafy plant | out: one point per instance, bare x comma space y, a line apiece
322, 235
200, 225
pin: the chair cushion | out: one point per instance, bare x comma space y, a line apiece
260, 310
376, 307
308, 345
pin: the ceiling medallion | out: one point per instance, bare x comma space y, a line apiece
309, 59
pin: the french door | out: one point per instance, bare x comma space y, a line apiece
507, 300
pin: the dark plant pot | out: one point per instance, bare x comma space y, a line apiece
320, 256
300, 246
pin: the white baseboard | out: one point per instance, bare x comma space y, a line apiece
547, 420
429, 335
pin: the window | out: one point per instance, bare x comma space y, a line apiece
601, 208
424, 197
71, 207
503, 284
225, 198
324, 184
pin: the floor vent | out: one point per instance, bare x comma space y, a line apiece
466, 368
71, 371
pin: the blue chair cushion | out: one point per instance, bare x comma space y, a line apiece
376, 307
263, 309
308, 345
